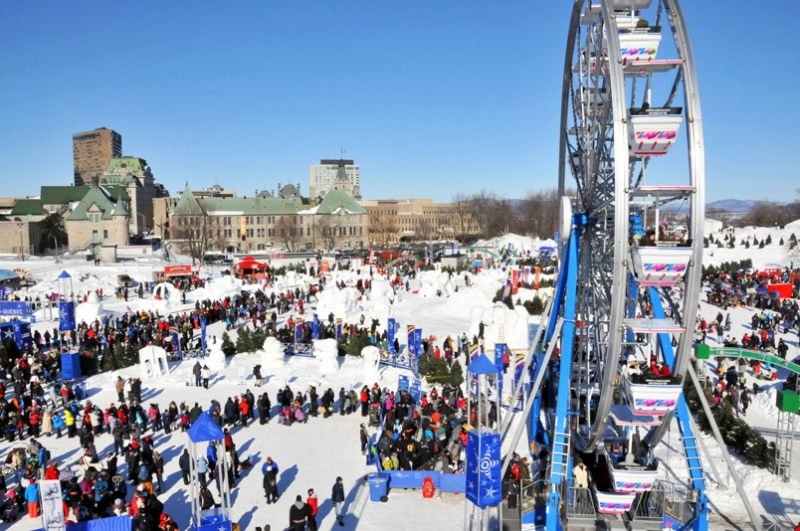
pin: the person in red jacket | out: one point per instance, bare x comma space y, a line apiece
244, 408
312, 510
52, 471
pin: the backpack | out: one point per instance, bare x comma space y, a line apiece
144, 473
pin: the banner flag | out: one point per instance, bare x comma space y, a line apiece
203, 333
66, 316
338, 328
412, 344
402, 382
499, 362
298, 330
176, 344
391, 331
52, 507
537, 277
315, 327
483, 468
418, 342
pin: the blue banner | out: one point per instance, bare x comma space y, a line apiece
298, 331
402, 382
519, 364
15, 309
416, 390
483, 468
418, 342
338, 328
203, 333
499, 362
176, 344
3, 293
390, 330
315, 327
22, 334
66, 316
412, 343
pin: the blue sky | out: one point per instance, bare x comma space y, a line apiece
430, 98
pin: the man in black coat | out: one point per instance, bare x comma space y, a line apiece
297, 515
264, 407
337, 497
230, 412
197, 372
185, 463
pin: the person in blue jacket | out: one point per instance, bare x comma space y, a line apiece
270, 472
32, 498
202, 469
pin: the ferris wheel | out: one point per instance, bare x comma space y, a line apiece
629, 93
631, 269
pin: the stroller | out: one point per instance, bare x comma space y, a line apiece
374, 418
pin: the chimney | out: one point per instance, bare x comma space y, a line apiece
95, 180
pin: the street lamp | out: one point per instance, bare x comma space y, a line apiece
21, 249
55, 241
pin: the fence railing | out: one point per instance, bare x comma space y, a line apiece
578, 502
534, 495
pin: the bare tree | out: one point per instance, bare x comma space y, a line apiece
538, 213
463, 217
381, 224
425, 230
193, 231
327, 228
288, 232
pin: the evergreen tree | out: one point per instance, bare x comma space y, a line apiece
746, 245
243, 343
781, 242
456, 374
227, 345
761, 244
769, 239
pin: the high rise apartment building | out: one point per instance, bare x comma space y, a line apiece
92, 151
332, 174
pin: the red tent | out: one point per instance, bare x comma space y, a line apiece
249, 265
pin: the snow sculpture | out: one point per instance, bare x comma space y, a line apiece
272, 355
215, 358
327, 352
372, 358
153, 361
514, 323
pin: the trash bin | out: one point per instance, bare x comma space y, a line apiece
377, 487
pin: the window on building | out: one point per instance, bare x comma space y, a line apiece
105, 234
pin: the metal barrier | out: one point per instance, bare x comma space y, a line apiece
299, 349
186, 355
678, 501
650, 505
578, 501
400, 360
534, 495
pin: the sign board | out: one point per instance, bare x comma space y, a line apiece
402, 382
416, 390
15, 309
180, 270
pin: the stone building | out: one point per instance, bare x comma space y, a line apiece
92, 151
392, 221
136, 177
287, 221
98, 219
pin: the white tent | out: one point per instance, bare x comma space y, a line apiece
153, 361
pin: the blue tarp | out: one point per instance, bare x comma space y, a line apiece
117, 523
205, 429
482, 365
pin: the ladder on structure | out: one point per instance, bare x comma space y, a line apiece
783, 444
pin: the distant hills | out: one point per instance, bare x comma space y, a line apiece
732, 206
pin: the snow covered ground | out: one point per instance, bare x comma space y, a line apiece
312, 455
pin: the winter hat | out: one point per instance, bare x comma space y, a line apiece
338, 478
118, 501
299, 498
310, 492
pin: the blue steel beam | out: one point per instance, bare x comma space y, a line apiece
690, 449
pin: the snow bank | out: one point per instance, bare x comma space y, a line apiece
372, 357
339, 302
